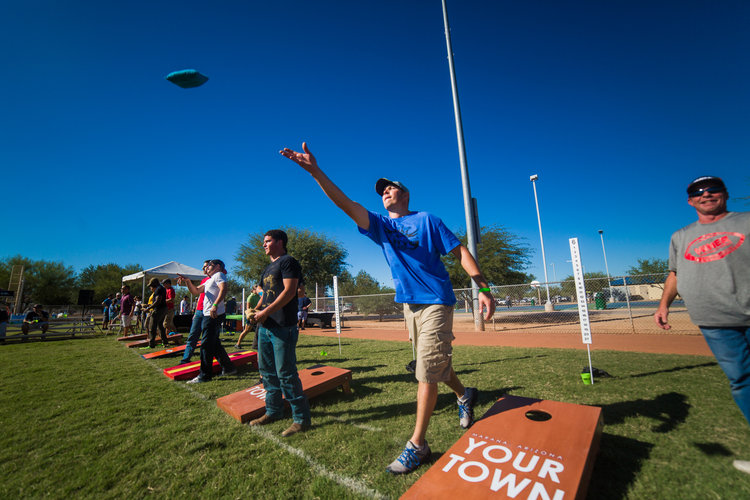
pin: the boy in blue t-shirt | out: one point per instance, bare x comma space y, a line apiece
412, 243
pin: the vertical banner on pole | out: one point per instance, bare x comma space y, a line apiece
583, 307
338, 313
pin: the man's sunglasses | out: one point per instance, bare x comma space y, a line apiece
710, 190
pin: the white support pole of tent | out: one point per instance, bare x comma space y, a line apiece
583, 307
338, 312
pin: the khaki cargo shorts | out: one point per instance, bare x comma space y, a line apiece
431, 330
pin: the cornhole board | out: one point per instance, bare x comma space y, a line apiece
190, 370
249, 404
175, 338
521, 448
139, 336
168, 352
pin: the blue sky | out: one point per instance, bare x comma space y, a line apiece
615, 105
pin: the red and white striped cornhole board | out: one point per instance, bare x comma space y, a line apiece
521, 448
190, 370
251, 403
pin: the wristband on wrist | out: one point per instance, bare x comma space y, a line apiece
214, 306
487, 290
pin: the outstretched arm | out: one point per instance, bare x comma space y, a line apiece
306, 160
470, 265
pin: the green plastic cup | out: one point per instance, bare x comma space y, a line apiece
586, 377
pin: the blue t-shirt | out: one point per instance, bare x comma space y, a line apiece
412, 246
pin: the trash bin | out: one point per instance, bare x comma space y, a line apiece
599, 302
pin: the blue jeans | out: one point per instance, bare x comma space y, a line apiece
277, 363
211, 347
196, 329
731, 346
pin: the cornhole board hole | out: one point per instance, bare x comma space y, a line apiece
190, 370
175, 338
140, 336
521, 448
172, 351
246, 405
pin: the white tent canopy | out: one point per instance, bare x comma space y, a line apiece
169, 270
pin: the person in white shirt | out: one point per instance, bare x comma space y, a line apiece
214, 290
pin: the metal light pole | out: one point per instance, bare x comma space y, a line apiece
554, 273
606, 267
548, 306
472, 235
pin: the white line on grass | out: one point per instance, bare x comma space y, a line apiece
359, 426
348, 482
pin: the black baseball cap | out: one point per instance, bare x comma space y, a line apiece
384, 183
706, 180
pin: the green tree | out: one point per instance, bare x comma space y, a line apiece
321, 257
104, 279
503, 257
49, 283
649, 266
362, 291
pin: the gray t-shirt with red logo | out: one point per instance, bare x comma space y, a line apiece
712, 262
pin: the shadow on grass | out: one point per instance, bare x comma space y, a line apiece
669, 410
675, 369
617, 466
503, 360
713, 449
328, 345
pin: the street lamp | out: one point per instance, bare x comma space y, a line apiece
606, 267
548, 306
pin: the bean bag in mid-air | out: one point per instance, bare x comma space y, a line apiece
187, 78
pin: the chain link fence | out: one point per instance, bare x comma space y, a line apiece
619, 304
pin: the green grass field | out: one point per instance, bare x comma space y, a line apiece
90, 418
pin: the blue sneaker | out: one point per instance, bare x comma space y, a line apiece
411, 458
466, 407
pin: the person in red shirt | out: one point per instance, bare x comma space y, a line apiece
169, 318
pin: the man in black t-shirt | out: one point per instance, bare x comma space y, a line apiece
158, 311
303, 305
36, 318
277, 336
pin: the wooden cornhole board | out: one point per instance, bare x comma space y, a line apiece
168, 352
251, 403
139, 336
508, 455
190, 370
175, 338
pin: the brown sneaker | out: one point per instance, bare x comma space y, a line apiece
294, 429
265, 419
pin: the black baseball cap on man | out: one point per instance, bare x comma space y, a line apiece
706, 180
384, 183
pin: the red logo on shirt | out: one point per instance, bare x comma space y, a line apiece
713, 246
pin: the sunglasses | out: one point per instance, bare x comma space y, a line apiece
710, 190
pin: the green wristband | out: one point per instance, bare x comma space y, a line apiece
485, 290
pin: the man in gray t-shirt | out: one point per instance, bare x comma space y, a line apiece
709, 266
